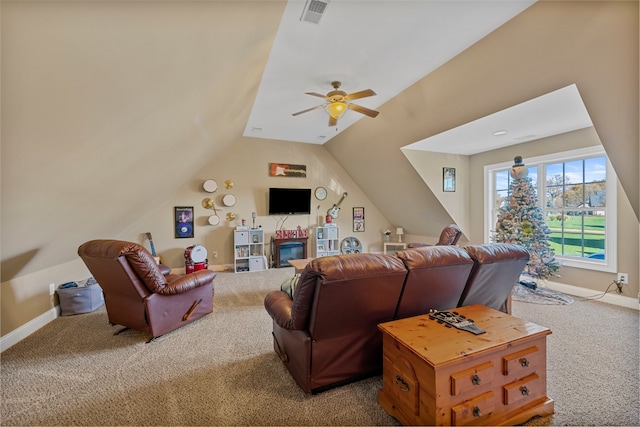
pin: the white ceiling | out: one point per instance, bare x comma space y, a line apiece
384, 45
551, 114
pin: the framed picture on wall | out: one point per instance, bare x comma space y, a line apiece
358, 219
448, 179
183, 222
282, 169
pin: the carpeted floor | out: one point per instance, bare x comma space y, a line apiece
221, 370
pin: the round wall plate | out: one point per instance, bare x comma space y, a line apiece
210, 186
214, 220
350, 245
229, 200
321, 193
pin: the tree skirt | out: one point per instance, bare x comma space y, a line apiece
540, 296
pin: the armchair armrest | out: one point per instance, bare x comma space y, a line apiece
279, 305
185, 283
164, 269
417, 245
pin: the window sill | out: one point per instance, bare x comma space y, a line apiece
586, 264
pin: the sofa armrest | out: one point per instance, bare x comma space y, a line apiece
279, 305
185, 283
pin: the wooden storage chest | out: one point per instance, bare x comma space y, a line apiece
435, 375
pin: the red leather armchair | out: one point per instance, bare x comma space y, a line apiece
449, 236
138, 295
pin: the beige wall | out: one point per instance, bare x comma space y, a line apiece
246, 163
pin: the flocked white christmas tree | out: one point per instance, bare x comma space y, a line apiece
520, 221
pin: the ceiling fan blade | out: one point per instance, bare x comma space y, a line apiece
360, 94
332, 121
315, 94
307, 110
363, 110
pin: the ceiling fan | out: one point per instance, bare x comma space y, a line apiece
338, 102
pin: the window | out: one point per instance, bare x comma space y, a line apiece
578, 205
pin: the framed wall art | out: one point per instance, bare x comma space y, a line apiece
281, 169
183, 222
358, 219
448, 179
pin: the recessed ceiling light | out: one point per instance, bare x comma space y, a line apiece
499, 132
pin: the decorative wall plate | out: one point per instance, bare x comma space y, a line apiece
210, 186
350, 245
229, 200
321, 193
214, 220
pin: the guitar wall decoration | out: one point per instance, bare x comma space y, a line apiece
335, 210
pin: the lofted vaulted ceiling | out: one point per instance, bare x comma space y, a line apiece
105, 103
382, 45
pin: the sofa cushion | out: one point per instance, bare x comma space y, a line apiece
436, 279
497, 269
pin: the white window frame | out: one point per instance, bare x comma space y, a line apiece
610, 264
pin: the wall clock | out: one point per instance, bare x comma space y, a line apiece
321, 193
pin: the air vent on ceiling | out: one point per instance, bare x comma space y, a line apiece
313, 11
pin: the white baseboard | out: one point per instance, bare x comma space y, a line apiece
623, 301
28, 328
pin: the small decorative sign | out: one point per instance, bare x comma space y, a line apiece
449, 179
291, 234
358, 219
281, 169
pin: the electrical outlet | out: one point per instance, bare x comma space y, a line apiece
623, 278
52, 288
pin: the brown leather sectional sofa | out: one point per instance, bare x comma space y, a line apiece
327, 334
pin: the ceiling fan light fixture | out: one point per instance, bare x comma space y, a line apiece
336, 109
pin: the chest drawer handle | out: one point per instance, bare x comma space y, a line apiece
475, 380
524, 362
401, 383
524, 391
476, 412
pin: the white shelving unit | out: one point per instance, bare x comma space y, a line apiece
393, 247
327, 240
249, 250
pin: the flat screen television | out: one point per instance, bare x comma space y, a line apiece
289, 201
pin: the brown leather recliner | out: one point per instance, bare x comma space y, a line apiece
497, 268
449, 236
138, 295
328, 333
